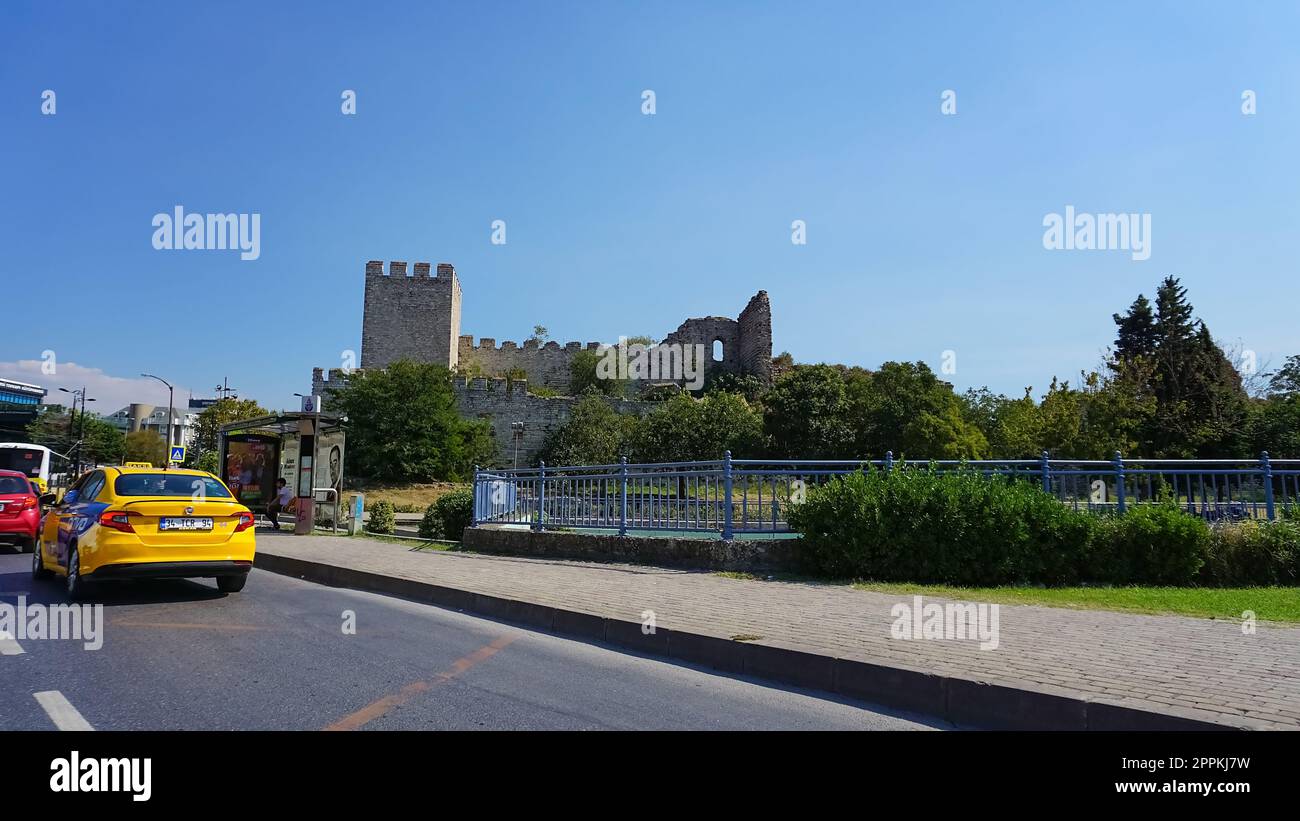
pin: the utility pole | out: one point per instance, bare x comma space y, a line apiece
79, 431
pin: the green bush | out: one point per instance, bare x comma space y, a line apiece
1250, 554
431, 524
914, 525
455, 512
382, 519
1150, 544
448, 517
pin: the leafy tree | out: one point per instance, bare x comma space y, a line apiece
1012, 427
806, 415
404, 426
583, 376
1286, 381
595, 434
540, 334
1095, 420
684, 429
1275, 426
209, 461
903, 407
207, 428
746, 385
102, 441
145, 446
782, 364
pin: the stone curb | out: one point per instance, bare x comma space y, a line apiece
963, 702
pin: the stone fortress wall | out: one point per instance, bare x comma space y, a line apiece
545, 364
417, 316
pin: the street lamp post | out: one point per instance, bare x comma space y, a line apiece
517, 430
171, 403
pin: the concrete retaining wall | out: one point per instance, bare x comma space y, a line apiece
698, 554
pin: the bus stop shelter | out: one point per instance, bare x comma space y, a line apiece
305, 449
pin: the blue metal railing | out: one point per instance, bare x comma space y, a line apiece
743, 496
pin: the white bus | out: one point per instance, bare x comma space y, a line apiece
31, 460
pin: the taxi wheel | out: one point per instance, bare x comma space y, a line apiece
76, 584
38, 567
232, 584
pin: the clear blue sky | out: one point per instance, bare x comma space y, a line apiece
924, 230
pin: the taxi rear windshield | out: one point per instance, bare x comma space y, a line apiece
169, 484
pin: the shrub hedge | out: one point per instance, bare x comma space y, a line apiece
914, 525
382, 519
448, 516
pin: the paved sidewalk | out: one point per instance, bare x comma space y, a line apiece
1186, 667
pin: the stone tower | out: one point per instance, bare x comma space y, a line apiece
410, 317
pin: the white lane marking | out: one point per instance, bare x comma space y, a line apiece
61, 711
9, 646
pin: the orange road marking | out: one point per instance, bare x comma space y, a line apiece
377, 709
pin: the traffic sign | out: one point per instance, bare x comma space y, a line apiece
178, 454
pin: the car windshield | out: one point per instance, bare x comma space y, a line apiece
169, 484
12, 484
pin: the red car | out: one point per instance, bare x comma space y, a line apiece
20, 510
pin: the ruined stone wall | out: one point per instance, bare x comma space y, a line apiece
502, 402
547, 364
320, 385
755, 332
410, 317
707, 330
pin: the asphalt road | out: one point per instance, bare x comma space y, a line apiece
180, 655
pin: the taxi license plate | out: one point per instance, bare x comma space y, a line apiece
187, 523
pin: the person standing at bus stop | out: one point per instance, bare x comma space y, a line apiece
282, 500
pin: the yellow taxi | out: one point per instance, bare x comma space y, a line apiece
144, 522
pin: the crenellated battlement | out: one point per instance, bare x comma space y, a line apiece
490, 384
445, 273
489, 343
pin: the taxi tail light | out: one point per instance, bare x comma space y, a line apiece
245, 522
116, 520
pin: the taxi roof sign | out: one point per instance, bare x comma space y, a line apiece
138, 465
